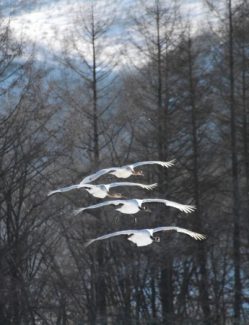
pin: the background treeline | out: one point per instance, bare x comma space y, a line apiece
181, 94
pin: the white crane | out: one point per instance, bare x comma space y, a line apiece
102, 190
126, 170
135, 205
144, 237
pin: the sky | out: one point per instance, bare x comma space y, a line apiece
47, 22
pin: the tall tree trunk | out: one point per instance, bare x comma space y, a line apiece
167, 271
235, 177
159, 90
244, 107
100, 283
95, 99
203, 286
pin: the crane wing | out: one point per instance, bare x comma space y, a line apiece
166, 164
190, 233
96, 175
146, 186
182, 207
113, 234
98, 205
64, 189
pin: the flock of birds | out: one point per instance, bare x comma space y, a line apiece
140, 237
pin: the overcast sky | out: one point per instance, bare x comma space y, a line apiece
49, 22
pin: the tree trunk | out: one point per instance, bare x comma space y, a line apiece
203, 286
244, 109
167, 292
167, 271
95, 99
235, 177
101, 288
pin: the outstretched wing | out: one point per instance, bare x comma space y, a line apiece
98, 205
113, 234
96, 175
190, 233
64, 189
182, 207
146, 186
166, 164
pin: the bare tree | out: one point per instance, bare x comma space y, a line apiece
193, 73
24, 147
155, 36
90, 65
231, 101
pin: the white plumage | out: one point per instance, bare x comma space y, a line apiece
144, 237
140, 237
102, 190
182, 207
135, 205
126, 170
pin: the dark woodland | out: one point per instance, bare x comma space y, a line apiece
182, 94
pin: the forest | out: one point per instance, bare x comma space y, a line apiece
172, 92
